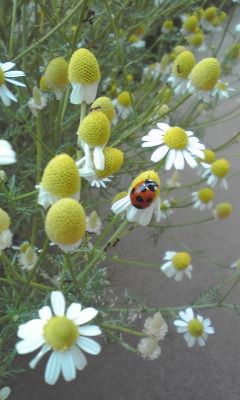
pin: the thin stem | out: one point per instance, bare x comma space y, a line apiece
122, 329
132, 262
14, 16
72, 273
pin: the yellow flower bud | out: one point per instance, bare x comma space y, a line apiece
57, 73
124, 99
4, 220
183, 64
106, 106
209, 157
168, 25
210, 13
113, 161
95, 129
191, 24
43, 85
220, 168
224, 210
196, 40
205, 74
179, 49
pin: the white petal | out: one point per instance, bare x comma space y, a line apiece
88, 345
68, 366
79, 358
143, 217
86, 315
189, 159
179, 322
201, 341
73, 310
170, 159
28, 345
53, 368
32, 328
179, 160
58, 303
189, 313
42, 352
178, 276
209, 330
164, 127
15, 82
76, 96
152, 143
7, 65
14, 74
4, 393
89, 330
160, 153
45, 313
99, 158
190, 339
121, 205
182, 329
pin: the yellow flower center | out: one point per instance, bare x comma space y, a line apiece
205, 195
60, 333
151, 175
221, 86
83, 68
209, 14
209, 156
4, 220
234, 51
95, 129
168, 24
183, 64
2, 77
196, 40
106, 106
195, 328
176, 138
133, 39
224, 210
220, 168
181, 260
191, 24
124, 99
129, 78
57, 73
113, 161
164, 206
205, 74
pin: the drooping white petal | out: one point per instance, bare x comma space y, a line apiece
7, 65
76, 96
121, 205
53, 368
15, 82
68, 366
170, 159
73, 310
189, 159
88, 345
179, 322
5, 99
179, 160
89, 330
99, 158
58, 303
41, 353
164, 127
86, 315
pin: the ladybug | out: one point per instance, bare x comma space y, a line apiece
143, 193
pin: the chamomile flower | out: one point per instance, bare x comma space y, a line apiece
216, 173
5, 233
27, 256
156, 326
5, 392
84, 75
203, 78
65, 224
140, 208
190, 25
65, 333
136, 42
222, 90
203, 198
37, 102
196, 42
7, 76
208, 17
148, 348
167, 26
176, 145
177, 264
7, 154
60, 179
93, 224
194, 329
222, 210
123, 105
165, 209
56, 75
182, 66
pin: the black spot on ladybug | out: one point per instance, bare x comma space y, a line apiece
149, 200
139, 199
138, 207
132, 191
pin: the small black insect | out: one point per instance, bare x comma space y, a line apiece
95, 108
178, 69
90, 15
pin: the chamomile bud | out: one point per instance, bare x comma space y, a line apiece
60, 179
43, 84
84, 75
183, 64
56, 75
196, 40
95, 129
167, 26
223, 210
113, 161
204, 77
37, 102
210, 14
65, 224
27, 256
233, 52
179, 49
209, 157
94, 224
106, 106
5, 233
190, 25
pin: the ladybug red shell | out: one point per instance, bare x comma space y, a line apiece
143, 193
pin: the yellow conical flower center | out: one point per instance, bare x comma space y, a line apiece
221, 86
209, 156
151, 175
93, 219
183, 64
43, 85
83, 68
234, 51
61, 176
224, 210
119, 196
222, 16
60, 333
65, 222
164, 206
191, 24
4, 220
195, 328
57, 73
168, 24
175, 138
133, 39
179, 49
2, 77
205, 74
95, 129
181, 260
124, 99
196, 40
106, 106
24, 247
113, 161
205, 195
220, 168
210, 13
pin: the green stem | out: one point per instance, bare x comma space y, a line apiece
39, 145
14, 15
72, 273
133, 262
105, 232
122, 343
122, 329
186, 224
230, 290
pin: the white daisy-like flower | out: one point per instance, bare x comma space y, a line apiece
5, 392
216, 173
203, 198
5, 239
37, 102
179, 84
63, 333
177, 265
156, 326
93, 224
176, 145
87, 172
148, 348
7, 154
222, 90
123, 105
6, 75
194, 329
165, 209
